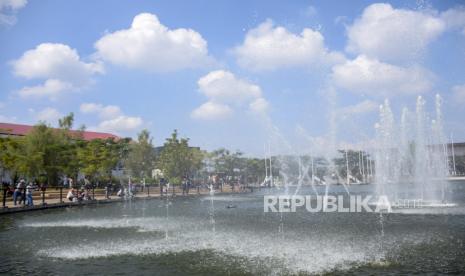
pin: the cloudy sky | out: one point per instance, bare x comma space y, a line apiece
229, 73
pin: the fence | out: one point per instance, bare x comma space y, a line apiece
57, 195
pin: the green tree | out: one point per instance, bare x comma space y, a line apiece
254, 170
141, 158
118, 151
66, 122
98, 157
71, 142
40, 155
178, 160
10, 152
227, 163
91, 156
197, 161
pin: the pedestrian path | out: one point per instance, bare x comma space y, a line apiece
53, 199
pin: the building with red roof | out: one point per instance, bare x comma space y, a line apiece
7, 129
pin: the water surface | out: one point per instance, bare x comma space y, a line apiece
200, 236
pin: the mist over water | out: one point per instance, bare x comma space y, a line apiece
140, 237
406, 159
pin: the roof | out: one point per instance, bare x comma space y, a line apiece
22, 130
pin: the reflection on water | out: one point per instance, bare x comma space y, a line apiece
141, 238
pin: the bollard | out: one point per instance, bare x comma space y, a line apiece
198, 189
43, 196
148, 192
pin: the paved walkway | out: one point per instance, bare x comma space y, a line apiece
52, 199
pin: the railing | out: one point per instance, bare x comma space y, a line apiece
53, 195
21, 193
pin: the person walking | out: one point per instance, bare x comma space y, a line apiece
162, 186
184, 186
108, 188
29, 189
18, 193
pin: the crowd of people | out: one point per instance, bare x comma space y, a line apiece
75, 195
83, 190
21, 192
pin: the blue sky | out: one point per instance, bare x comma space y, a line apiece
222, 72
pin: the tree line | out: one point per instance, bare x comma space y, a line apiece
46, 155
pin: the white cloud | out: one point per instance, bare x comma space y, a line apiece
12, 4
459, 93
151, 46
223, 86
455, 18
268, 48
369, 76
59, 65
212, 111
54, 60
8, 10
52, 88
225, 91
104, 112
341, 19
112, 118
259, 105
49, 114
120, 124
90, 108
360, 108
393, 34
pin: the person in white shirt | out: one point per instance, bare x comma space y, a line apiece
29, 189
70, 195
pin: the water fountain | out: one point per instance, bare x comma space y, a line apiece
188, 235
410, 158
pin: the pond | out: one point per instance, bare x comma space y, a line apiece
202, 236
